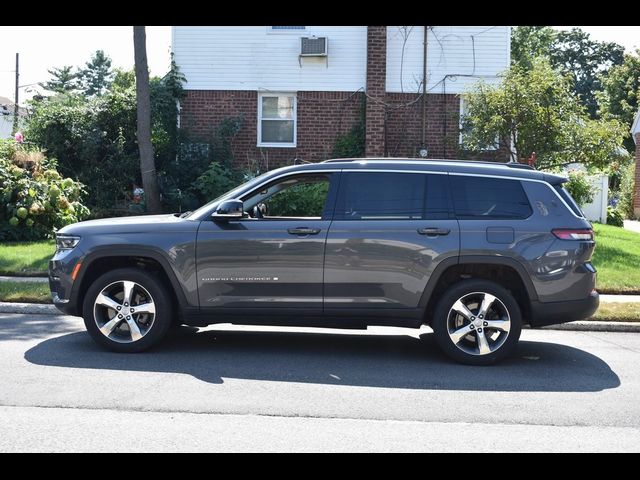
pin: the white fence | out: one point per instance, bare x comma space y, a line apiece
596, 211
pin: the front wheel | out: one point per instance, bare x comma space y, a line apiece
127, 310
477, 322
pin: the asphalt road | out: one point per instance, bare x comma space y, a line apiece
257, 389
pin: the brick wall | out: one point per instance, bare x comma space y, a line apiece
322, 118
376, 88
404, 125
636, 195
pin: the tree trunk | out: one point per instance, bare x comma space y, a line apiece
147, 162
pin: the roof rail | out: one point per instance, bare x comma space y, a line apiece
523, 166
335, 160
519, 165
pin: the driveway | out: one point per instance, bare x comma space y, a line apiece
266, 389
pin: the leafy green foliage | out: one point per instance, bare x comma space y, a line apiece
529, 42
216, 180
619, 99
63, 80
625, 193
580, 188
96, 77
615, 217
36, 199
94, 138
573, 53
537, 108
304, 200
585, 60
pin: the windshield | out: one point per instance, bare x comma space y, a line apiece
230, 194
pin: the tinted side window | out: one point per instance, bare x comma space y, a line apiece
569, 199
392, 196
437, 201
380, 196
482, 197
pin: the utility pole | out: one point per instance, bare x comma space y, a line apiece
15, 107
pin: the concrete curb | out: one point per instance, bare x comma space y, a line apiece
5, 278
32, 308
580, 326
585, 326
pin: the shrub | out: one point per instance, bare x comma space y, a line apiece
580, 188
627, 181
615, 217
36, 200
216, 180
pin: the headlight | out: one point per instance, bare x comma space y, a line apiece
66, 242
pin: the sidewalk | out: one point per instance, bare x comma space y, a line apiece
632, 225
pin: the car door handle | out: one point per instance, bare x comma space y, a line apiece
303, 231
433, 232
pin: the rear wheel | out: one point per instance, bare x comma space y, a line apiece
127, 310
477, 322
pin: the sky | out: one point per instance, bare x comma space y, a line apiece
42, 48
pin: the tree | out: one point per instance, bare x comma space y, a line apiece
585, 60
619, 99
573, 52
63, 80
535, 110
529, 42
147, 161
97, 76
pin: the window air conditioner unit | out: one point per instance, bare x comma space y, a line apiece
314, 46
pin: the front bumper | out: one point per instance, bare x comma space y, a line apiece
552, 313
61, 283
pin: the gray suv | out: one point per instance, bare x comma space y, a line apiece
472, 249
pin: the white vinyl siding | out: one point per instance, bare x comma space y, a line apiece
277, 120
253, 58
456, 57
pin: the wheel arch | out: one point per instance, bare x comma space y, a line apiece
505, 271
98, 262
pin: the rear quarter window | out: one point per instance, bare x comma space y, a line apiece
485, 197
566, 196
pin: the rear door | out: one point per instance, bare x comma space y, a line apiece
389, 232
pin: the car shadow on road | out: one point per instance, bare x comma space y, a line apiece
384, 361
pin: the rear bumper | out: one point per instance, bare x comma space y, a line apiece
552, 313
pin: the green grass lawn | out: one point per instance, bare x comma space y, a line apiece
26, 258
25, 292
617, 259
618, 312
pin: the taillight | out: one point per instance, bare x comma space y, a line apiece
573, 234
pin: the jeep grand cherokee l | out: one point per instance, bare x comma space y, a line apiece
472, 249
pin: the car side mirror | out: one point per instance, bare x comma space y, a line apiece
229, 210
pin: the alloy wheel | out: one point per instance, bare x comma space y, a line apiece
478, 323
124, 311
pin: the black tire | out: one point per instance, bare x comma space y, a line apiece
161, 298
442, 323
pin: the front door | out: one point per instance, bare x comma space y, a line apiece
272, 258
390, 231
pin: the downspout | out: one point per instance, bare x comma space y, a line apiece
424, 89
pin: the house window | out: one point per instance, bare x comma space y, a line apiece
464, 129
277, 120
